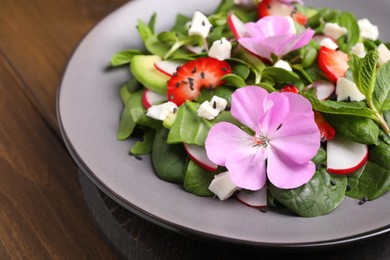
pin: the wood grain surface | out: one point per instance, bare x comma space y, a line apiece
44, 211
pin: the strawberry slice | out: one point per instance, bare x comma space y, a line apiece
333, 63
274, 7
194, 75
290, 88
327, 132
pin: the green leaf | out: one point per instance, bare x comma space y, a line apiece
152, 22
145, 146
144, 30
180, 24
364, 72
124, 57
234, 80
167, 37
124, 94
197, 180
381, 95
280, 75
222, 92
320, 156
169, 161
341, 108
348, 20
359, 129
189, 127
320, 196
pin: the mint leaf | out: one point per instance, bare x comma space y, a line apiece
381, 95
341, 108
364, 72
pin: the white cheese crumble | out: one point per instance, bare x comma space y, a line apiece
384, 54
283, 65
328, 43
200, 25
220, 49
211, 109
358, 50
334, 30
222, 186
160, 112
368, 30
347, 90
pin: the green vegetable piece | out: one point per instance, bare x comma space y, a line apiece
124, 94
169, 120
320, 196
189, 127
197, 180
280, 75
348, 20
124, 57
145, 146
234, 80
144, 30
359, 129
144, 71
169, 161
320, 157
381, 95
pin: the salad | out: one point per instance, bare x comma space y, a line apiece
272, 102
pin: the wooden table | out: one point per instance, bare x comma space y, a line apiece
45, 212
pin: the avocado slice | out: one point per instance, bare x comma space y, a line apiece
142, 68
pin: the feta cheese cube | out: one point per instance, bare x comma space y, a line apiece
334, 30
222, 186
207, 111
328, 43
283, 65
220, 49
384, 54
218, 103
358, 50
200, 25
368, 30
160, 112
347, 90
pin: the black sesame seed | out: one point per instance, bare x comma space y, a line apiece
214, 105
268, 6
202, 74
348, 188
323, 165
211, 87
203, 23
333, 182
177, 68
363, 200
138, 157
174, 110
177, 84
224, 69
194, 70
263, 210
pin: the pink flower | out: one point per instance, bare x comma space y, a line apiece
273, 34
284, 140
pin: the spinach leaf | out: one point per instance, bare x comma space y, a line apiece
197, 180
381, 95
359, 129
320, 196
145, 146
348, 20
320, 156
124, 57
189, 127
124, 94
234, 80
280, 75
169, 161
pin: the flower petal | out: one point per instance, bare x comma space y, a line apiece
297, 139
247, 167
299, 104
247, 105
286, 174
224, 138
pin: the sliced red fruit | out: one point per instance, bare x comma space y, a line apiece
236, 25
150, 98
198, 155
345, 156
194, 75
290, 88
168, 67
333, 63
273, 7
256, 199
327, 132
324, 89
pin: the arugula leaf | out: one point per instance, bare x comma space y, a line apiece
197, 180
320, 196
381, 95
364, 72
169, 161
124, 57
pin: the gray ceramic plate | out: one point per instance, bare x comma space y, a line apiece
89, 108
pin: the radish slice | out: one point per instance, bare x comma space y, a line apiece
195, 49
168, 67
256, 199
198, 155
324, 89
236, 25
345, 156
150, 98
